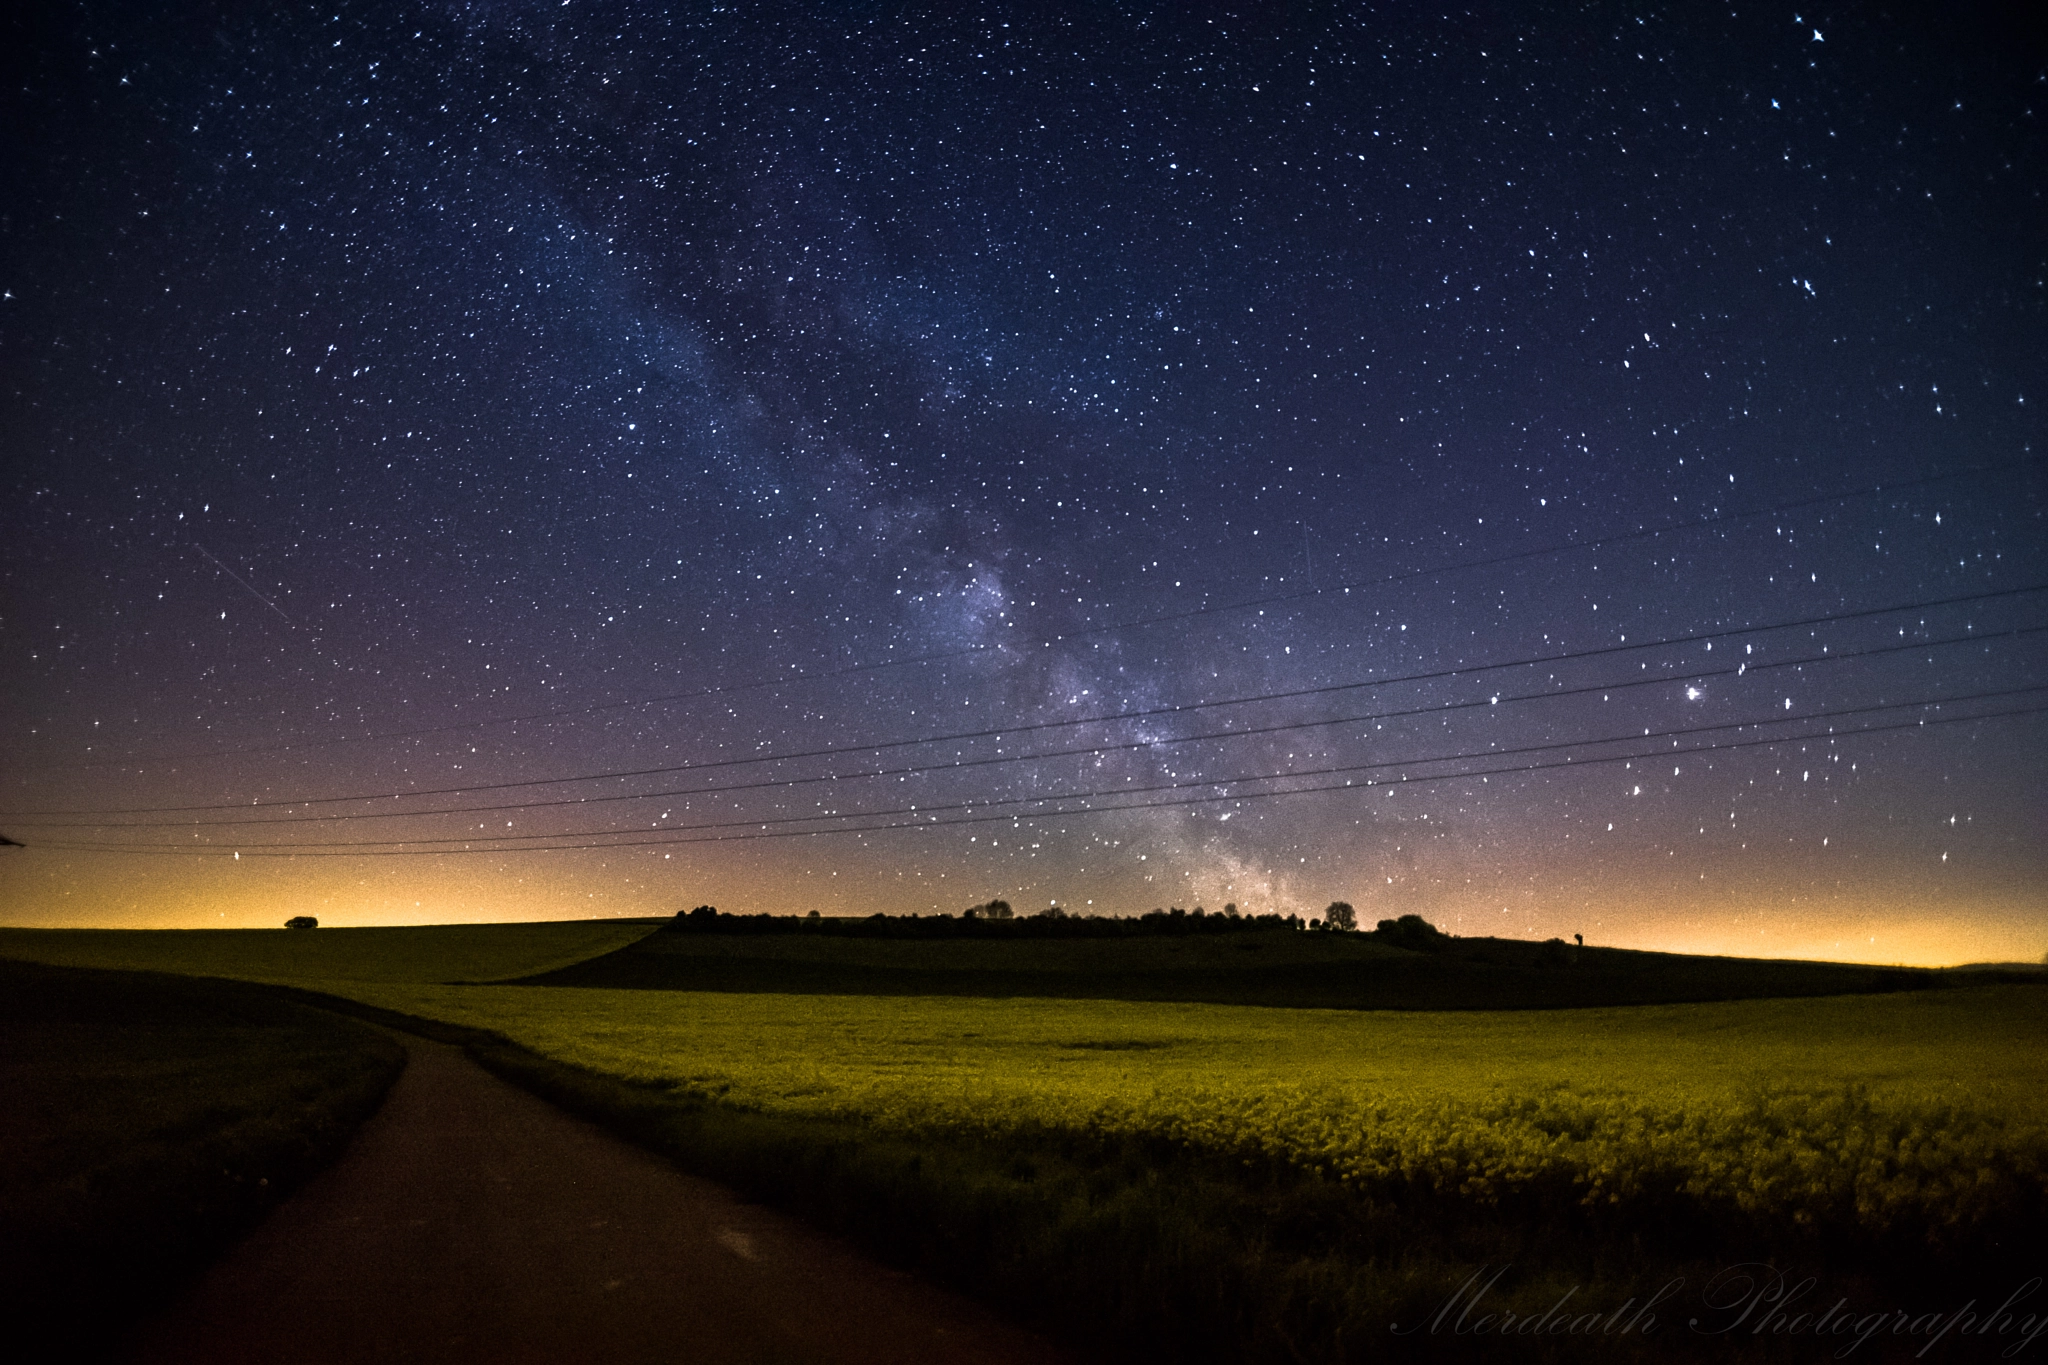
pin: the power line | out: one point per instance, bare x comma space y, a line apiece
1047, 641
1088, 750
510, 842
1001, 731
1017, 817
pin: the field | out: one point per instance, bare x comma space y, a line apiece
1362, 1163
1279, 968
1206, 1181
148, 1121
437, 952
1881, 1113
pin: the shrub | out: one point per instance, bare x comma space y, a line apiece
1413, 932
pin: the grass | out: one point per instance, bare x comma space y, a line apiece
149, 1120
437, 952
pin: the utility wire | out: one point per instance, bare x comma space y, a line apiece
1741, 669
633, 838
1018, 817
1001, 731
1336, 590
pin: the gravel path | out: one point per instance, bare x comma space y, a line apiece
470, 1221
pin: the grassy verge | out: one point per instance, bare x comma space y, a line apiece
148, 1121
1170, 1182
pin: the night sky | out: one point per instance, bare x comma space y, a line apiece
573, 409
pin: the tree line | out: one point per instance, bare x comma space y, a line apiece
996, 919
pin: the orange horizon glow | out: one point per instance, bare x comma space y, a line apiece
1992, 924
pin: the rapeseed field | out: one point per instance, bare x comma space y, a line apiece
1919, 1114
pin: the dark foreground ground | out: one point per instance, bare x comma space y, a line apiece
472, 1222
146, 1121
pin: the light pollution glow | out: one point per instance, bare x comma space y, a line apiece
1867, 909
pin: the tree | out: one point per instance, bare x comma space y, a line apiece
995, 909
1412, 932
1340, 915
302, 922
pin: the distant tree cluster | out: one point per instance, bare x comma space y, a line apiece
302, 922
997, 918
1412, 932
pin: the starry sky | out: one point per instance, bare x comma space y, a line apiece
1549, 470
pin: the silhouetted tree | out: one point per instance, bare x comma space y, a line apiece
1413, 932
302, 922
1340, 915
996, 909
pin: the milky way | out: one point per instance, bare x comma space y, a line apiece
431, 399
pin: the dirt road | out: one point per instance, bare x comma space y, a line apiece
470, 1221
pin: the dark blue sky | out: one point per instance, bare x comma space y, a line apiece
372, 370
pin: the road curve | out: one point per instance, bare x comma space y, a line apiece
470, 1221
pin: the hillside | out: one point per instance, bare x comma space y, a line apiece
1268, 966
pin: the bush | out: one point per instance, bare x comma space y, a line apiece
1412, 932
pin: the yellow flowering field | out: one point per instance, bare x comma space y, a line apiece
1915, 1112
